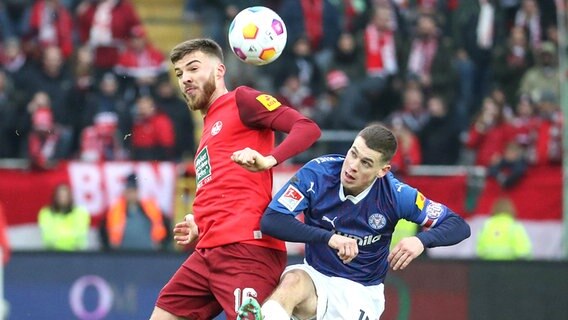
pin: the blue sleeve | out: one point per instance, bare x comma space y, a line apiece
288, 228
449, 232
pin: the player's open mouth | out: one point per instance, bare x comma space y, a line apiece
349, 177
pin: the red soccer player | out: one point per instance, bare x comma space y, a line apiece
233, 259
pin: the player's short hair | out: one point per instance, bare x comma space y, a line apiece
207, 46
380, 139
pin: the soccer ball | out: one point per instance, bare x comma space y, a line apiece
257, 35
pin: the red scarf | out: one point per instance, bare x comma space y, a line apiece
313, 21
62, 24
376, 46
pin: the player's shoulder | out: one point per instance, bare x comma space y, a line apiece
249, 96
246, 91
329, 162
397, 189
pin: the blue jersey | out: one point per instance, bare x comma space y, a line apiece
369, 218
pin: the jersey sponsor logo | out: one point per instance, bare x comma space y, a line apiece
361, 241
399, 187
377, 221
434, 210
420, 200
332, 221
268, 101
216, 128
291, 198
311, 189
202, 168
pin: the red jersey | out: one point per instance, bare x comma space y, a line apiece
230, 200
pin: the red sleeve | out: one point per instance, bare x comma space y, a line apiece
260, 110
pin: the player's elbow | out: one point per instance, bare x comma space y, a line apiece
310, 130
464, 228
267, 223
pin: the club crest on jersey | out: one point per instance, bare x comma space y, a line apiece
291, 198
377, 221
268, 101
434, 210
216, 128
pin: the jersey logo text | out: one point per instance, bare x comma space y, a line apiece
361, 241
291, 198
268, 101
202, 168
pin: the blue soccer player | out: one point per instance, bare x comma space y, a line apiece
351, 205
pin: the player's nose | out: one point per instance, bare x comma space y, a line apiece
186, 78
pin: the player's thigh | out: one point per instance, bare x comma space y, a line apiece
347, 299
187, 294
297, 289
241, 270
313, 295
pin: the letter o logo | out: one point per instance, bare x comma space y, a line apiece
104, 302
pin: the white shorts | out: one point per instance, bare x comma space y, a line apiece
340, 298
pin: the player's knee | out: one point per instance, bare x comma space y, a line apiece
294, 280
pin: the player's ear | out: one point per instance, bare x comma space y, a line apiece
220, 70
384, 170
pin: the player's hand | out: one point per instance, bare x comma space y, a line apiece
347, 248
252, 160
186, 231
404, 252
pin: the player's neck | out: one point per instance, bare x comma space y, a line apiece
220, 91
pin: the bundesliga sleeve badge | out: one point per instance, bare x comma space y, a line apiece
291, 198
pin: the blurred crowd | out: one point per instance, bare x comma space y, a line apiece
460, 82
81, 80
472, 82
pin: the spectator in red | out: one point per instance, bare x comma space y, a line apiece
426, 56
409, 152
47, 142
525, 123
141, 64
548, 144
50, 25
489, 133
102, 141
152, 134
105, 25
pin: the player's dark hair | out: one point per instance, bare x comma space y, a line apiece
207, 46
380, 139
